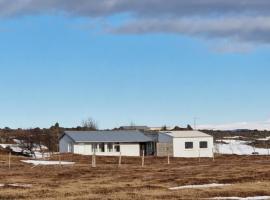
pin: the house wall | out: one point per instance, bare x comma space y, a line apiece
180, 151
130, 149
65, 144
82, 148
125, 149
164, 146
163, 149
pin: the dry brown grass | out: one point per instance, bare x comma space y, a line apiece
250, 176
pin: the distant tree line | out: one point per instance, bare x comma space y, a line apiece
29, 139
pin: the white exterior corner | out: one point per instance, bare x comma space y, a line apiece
179, 149
201, 144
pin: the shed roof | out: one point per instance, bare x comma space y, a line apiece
186, 134
108, 136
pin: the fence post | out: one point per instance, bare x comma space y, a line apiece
199, 155
59, 157
9, 160
213, 154
120, 160
143, 158
168, 154
94, 159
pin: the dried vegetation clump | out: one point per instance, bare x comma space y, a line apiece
249, 176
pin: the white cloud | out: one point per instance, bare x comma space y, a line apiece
259, 125
242, 21
240, 29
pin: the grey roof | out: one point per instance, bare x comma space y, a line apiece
108, 136
186, 134
163, 137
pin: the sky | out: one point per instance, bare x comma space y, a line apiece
147, 62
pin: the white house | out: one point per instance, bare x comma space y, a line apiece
133, 142
106, 143
185, 144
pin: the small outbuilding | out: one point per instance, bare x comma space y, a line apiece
107, 143
185, 144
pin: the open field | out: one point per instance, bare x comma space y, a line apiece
249, 176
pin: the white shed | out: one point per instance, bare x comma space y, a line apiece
106, 143
188, 144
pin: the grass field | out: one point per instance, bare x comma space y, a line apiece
248, 176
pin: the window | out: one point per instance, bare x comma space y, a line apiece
101, 147
110, 147
69, 147
117, 147
203, 145
188, 145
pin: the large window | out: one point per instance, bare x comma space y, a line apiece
188, 145
117, 147
110, 147
69, 147
101, 147
203, 145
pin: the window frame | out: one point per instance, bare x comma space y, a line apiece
110, 147
203, 142
116, 147
101, 147
189, 148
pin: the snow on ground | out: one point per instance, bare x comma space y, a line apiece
20, 185
13, 147
245, 198
39, 155
233, 137
45, 162
198, 186
238, 147
37, 150
264, 139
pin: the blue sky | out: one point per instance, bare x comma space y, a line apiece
58, 68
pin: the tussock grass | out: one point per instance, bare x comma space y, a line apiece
249, 176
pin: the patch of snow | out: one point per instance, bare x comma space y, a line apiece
37, 150
17, 141
233, 137
199, 186
39, 155
243, 198
45, 162
4, 145
20, 185
238, 147
13, 147
264, 139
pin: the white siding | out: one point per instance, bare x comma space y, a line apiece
79, 148
84, 149
65, 145
130, 149
180, 151
87, 149
125, 149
